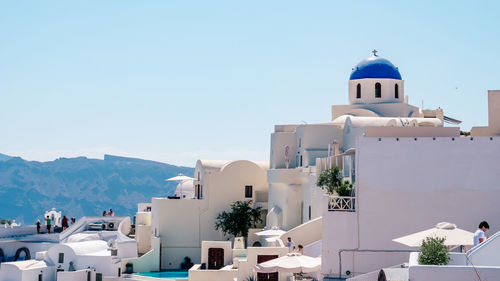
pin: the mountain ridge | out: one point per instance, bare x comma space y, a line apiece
81, 186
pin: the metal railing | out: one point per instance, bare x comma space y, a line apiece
342, 203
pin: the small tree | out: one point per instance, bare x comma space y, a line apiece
241, 217
434, 252
331, 180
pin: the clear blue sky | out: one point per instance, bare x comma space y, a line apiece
176, 81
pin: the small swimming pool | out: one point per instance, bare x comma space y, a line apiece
172, 275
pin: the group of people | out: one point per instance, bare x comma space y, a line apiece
110, 213
292, 249
48, 223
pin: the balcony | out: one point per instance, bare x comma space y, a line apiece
341, 204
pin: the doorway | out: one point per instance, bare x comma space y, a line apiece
266, 276
215, 258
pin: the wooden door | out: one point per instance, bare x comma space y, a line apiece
266, 276
215, 258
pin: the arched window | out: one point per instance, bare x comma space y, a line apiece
396, 91
378, 90
358, 91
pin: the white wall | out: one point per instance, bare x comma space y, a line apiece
368, 90
376, 110
79, 275
9, 271
143, 236
410, 185
9, 247
288, 198
224, 274
456, 273
278, 142
147, 262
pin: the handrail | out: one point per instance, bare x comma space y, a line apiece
342, 203
81, 224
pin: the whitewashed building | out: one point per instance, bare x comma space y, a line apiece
180, 225
408, 170
94, 248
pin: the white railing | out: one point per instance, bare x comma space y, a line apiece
341, 203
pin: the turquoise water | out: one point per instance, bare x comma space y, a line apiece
166, 274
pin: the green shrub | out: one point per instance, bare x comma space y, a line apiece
331, 180
344, 189
434, 252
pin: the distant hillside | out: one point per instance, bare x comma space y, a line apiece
4, 157
81, 186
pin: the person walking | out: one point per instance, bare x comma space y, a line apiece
479, 235
290, 244
65, 223
104, 214
48, 222
111, 213
38, 226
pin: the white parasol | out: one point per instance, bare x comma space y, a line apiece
292, 263
454, 236
180, 179
271, 232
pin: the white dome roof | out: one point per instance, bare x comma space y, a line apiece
185, 189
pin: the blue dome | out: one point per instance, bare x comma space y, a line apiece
375, 67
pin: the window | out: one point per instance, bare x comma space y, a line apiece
309, 212
98, 277
88, 275
300, 142
378, 90
40, 277
248, 191
61, 257
396, 91
300, 160
358, 91
119, 272
347, 166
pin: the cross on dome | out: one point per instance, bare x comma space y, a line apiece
374, 52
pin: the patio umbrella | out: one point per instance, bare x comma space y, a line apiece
271, 232
454, 236
180, 178
291, 263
